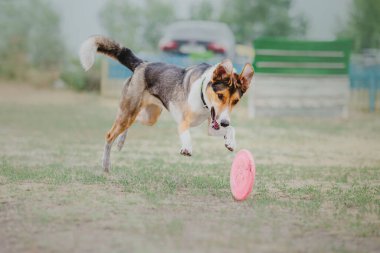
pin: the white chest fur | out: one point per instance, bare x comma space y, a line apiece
199, 112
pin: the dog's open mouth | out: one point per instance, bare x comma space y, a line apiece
214, 123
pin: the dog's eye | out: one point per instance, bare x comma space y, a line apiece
235, 101
220, 96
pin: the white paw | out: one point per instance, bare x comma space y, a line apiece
230, 144
186, 143
185, 151
230, 141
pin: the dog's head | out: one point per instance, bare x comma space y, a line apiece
226, 88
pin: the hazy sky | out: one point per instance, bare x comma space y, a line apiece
79, 18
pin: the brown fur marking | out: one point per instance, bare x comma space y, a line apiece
130, 104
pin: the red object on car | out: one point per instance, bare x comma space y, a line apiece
216, 48
169, 46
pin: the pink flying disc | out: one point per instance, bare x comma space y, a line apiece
242, 175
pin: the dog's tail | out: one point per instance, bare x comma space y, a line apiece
108, 47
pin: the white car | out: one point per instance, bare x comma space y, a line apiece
197, 37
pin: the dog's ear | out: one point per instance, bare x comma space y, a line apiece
223, 70
245, 77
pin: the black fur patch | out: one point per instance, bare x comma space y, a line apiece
127, 58
169, 82
123, 55
225, 84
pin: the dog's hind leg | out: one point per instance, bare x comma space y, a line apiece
115, 131
130, 106
123, 121
106, 156
125, 118
121, 140
149, 114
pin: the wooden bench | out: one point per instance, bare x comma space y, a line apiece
300, 78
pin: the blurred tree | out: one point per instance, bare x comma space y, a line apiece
202, 11
46, 44
249, 19
157, 15
29, 32
122, 19
363, 26
137, 26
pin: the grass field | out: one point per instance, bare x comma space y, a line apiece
317, 184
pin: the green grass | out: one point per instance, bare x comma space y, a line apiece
317, 182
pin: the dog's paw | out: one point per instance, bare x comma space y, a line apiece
106, 166
185, 152
230, 146
229, 138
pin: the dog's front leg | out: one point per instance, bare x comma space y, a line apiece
229, 138
184, 134
227, 132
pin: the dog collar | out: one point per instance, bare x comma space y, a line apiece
202, 97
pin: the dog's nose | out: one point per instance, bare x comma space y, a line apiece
224, 123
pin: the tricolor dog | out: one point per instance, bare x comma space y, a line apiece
191, 94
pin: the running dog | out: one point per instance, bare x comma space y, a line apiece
191, 94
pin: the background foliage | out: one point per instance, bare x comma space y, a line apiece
138, 25
31, 44
363, 26
30, 36
250, 19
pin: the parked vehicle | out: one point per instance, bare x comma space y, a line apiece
198, 37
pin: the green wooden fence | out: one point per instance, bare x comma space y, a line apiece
281, 56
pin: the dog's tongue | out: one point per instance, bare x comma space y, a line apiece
214, 123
